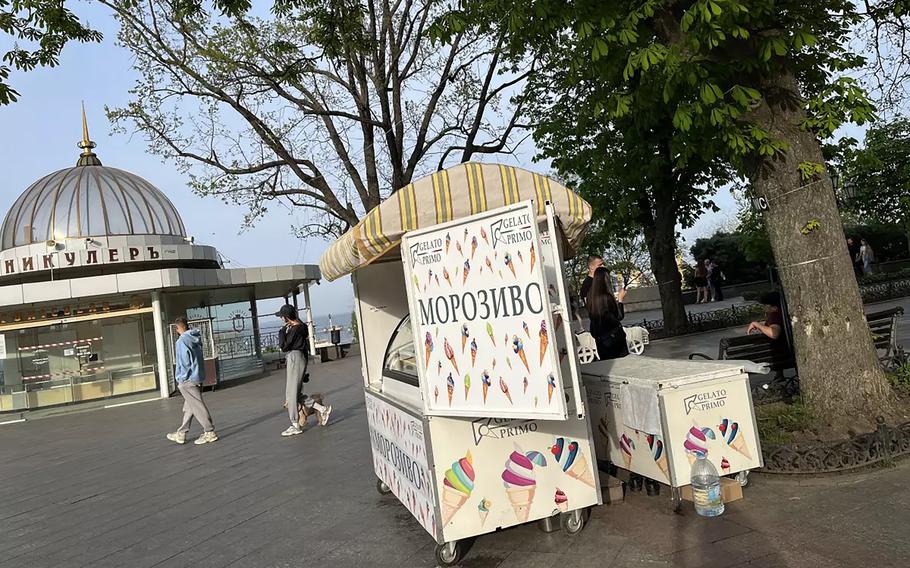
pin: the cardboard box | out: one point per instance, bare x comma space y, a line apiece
730, 490
612, 489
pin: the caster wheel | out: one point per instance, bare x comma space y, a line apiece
382, 488
573, 521
448, 554
743, 478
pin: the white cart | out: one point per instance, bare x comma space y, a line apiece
473, 392
654, 416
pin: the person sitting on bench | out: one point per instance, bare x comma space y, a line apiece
773, 326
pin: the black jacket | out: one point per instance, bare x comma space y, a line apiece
608, 333
294, 338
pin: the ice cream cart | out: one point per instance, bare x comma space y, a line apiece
656, 416
473, 392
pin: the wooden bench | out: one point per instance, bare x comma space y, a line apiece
884, 328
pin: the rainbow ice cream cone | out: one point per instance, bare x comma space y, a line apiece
473, 246
533, 257
464, 273
490, 333
457, 487
483, 510
465, 334
626, 446
544, 340
450, 354
518, 347
562, 502
450, 387
551, 386
508, 261
485, 382
729, 430
427, 348
467, 386
518, 479
505, 389
473, 352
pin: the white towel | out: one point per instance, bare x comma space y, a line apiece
640, 408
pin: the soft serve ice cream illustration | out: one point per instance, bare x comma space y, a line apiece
457, 487
520, 482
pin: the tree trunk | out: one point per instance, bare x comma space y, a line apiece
660, 236
837, 363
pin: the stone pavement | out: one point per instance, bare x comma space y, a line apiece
105, 489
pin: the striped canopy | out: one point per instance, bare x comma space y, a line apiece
459, 191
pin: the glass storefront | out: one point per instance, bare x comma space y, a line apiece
78, 360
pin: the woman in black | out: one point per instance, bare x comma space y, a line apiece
606, 313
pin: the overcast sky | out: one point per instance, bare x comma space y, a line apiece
40, 133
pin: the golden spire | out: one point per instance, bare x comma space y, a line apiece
87, 158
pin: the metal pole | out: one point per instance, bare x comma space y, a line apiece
254, 312
163, 386
309, 316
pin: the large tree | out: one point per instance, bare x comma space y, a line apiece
765, 78
327, 105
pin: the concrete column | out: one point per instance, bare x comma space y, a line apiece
254, 313
160, 346
309, 316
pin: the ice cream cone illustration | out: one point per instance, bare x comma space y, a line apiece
428, 348
450, 387
730, 432
544, 340
445, 274
562, 502
467, 386
457, 487
465, 334
524, 385
508, 260
436, 278
533, 256
416, 282
626, 446
458, 248
435, 394
483, 510
439, 369
520, 258
474, 353
448, 242
524, 326
520, 483
505, 389
464, 237
450, 354
509, 362
486, 382
490, 333
483, 235
489, 264
724, 465
518, 347
473, 246
494, 362
574, 463
551, 386
660, 456
464, 273
696, 443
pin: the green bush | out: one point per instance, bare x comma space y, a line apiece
900, 377
885, 276
779, 423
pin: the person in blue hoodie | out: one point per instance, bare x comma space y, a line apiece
190, 373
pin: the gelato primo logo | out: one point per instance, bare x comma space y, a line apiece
426, 252
705, 400
512, 230
500, 428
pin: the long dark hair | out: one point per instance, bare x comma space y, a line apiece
700, 269
600, 298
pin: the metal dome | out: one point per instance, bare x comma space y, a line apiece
89, 200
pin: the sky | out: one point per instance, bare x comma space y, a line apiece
41, 130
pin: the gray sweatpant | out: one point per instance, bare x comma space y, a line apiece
296, 364
194, 406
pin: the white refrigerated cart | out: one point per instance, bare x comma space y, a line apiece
654, 416
473, 393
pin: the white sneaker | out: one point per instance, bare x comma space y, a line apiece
292, 430
206, 438
324, 415
177, 437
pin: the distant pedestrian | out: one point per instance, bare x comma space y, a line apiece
715, 280
595, 261
866, 256
190, 374
853, 249
293, 339
606, 312
701, 283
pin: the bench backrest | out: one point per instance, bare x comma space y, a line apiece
883, 326
755, 348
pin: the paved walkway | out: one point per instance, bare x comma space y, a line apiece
105, 489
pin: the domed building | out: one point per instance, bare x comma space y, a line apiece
95, 262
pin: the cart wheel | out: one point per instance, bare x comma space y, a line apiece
675, 500
449, 554
743, 478
573, 521
382, 488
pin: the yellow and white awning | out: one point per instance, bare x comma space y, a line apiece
459, 191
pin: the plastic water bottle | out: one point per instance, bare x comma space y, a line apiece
706, 488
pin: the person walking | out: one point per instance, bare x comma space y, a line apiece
701, 283
190, 374
715, 280
293, 339
853, 249
866, 256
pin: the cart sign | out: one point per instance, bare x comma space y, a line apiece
484, 323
